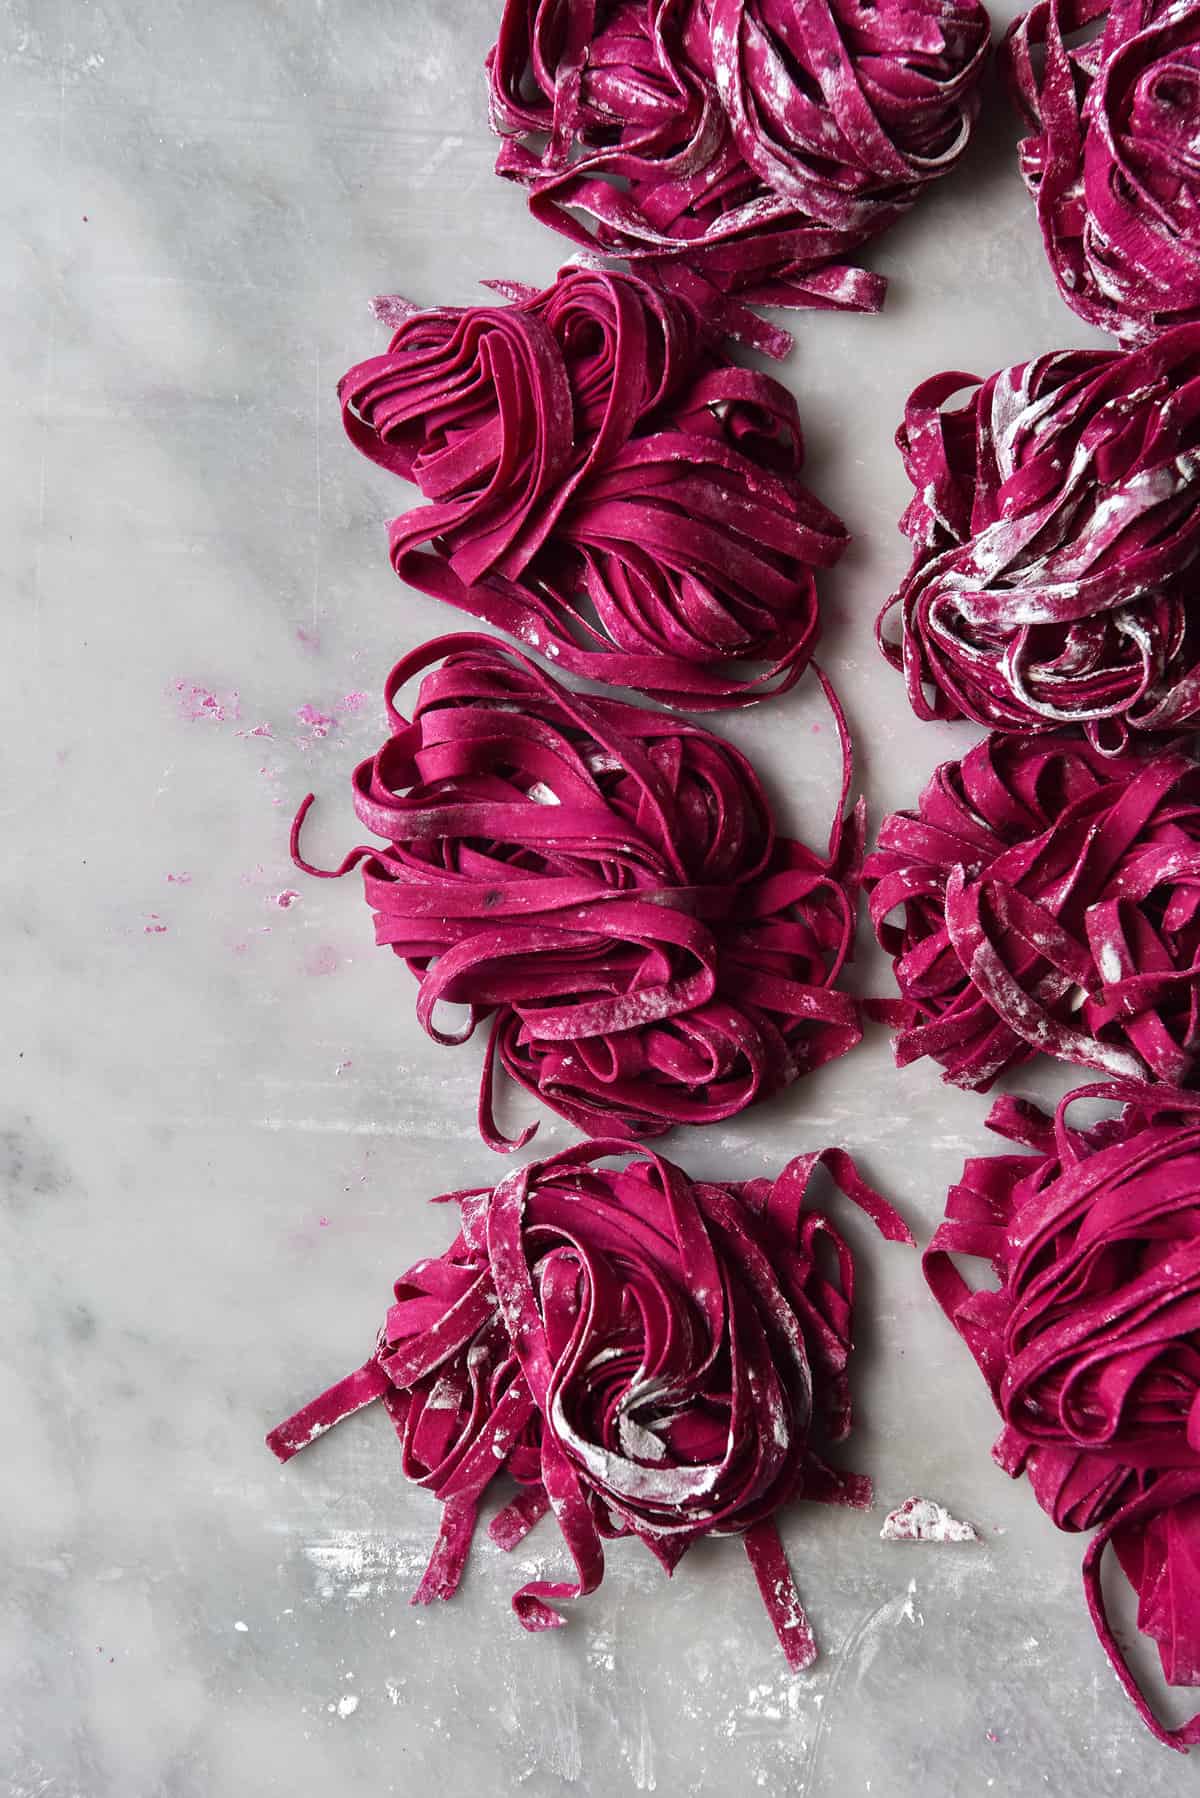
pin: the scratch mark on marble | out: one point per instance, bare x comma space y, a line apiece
427, 1126
641, 1758
858, 1651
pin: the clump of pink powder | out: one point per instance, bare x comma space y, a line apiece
199, 704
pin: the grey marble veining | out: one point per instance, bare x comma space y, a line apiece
219, 1116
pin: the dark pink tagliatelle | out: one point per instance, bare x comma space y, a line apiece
606, 885
643, 1354
1055, 529
1091, 1345
1112, 157
1048, 900
737, 150
604, 485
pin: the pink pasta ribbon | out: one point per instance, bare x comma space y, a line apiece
643, 1354
1055, 530
1111, 159
1049, 901
736, 150
1091, 1345
603, 485
606, 885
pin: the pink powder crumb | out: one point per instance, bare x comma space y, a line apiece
310, 639
196, 703
155, 926
924, 1520
319, 723
323, 1222
391, 309
284, 900
990, 1735
260, 730
179, 880
354, 702
323, 959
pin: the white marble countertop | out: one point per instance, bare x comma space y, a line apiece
220, 1117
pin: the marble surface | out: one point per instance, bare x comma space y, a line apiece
219, 1118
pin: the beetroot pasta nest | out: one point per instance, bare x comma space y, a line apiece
1091, 1345
1050, 901
604, 485
1111, 159
736, 149
645, 1355
606, 885
1055, 529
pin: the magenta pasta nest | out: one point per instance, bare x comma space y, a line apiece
605, 887
738, 150
1045, 898
604, 485
643, 1354
1091, 1344
1055, 527
1111, 157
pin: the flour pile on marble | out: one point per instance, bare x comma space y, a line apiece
924, 1520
